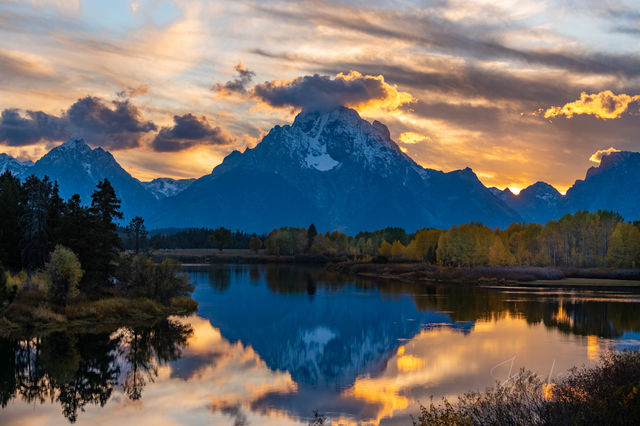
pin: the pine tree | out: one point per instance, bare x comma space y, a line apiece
34, 222
106, 244
311, 234
137, 232
9, 220
220, 238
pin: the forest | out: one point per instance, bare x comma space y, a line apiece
601, 239
580, 240
64, 260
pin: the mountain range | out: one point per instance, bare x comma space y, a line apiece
338, 171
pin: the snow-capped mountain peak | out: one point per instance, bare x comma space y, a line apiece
167, 187
336, 170
16, 167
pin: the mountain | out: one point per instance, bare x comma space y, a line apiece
14, 166
613, 185
78, 169
167, 187
537, 203
338, 171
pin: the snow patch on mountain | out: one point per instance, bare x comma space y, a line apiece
166, 187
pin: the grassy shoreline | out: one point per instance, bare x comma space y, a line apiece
108, 311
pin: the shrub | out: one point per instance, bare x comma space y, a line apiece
608, 393
183, 304
7, 290
64, 272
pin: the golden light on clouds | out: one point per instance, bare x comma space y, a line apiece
380, 392
596, 157
408, 363
391, 100
605, 105
412, 137
593, 348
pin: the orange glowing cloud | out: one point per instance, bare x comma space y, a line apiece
596, 157
605, 105
391, 98
412, 137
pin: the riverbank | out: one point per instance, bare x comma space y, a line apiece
479, 275
108, 311
494, 275
239, 256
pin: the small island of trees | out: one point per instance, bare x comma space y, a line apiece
62, 262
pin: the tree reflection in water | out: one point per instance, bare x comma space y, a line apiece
77, 369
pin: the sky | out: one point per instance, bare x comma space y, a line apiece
520, 91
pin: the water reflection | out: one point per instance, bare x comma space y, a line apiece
273, 344
79, 369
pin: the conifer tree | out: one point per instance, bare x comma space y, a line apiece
106, 244
137, 232
9, 220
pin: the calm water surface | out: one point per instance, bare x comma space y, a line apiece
271, 344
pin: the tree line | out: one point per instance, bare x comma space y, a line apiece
579, 240
193, 238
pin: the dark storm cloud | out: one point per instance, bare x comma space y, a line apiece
115, 126
188, 131
321, 92
34, 126
240, 84
315, 92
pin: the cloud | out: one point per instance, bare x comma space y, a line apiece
321, 92
119, 127
115, 126
20, 66
596, 157
238, 85
28, 129
436, 32
131, 92
412, 138
188, 131
605, 105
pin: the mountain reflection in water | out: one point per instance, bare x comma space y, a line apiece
271, 344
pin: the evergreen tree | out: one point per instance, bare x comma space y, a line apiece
137, 232
34, 222
106, 244
311, 234
220, 238
55, 213
9, 220
75, 230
